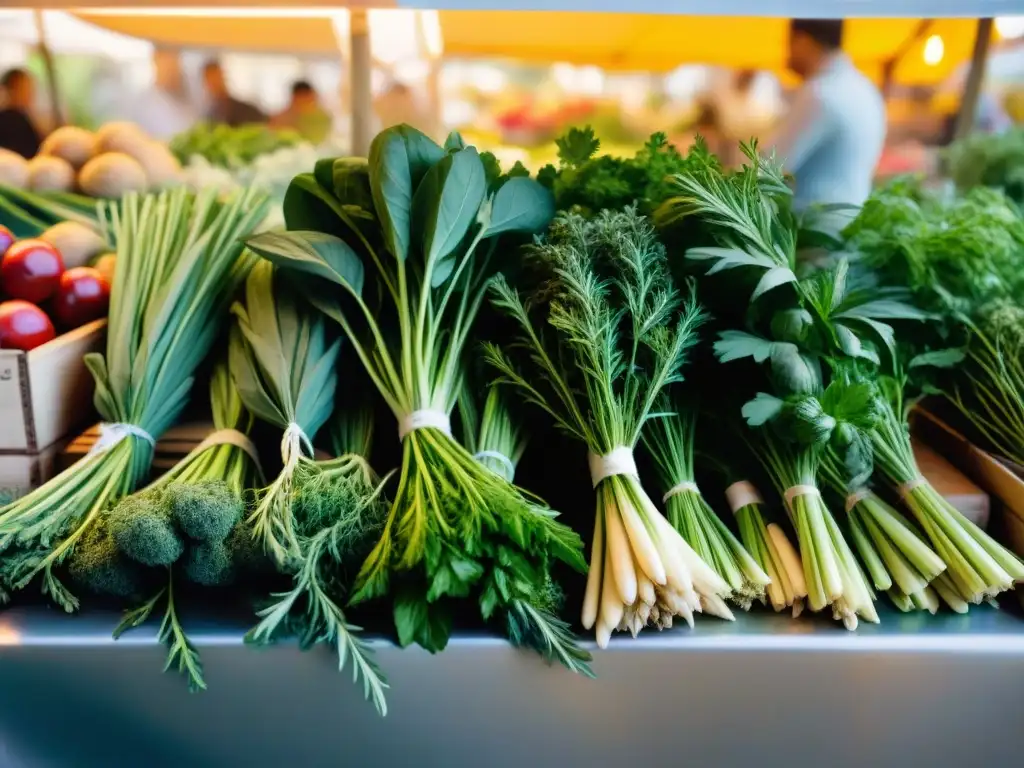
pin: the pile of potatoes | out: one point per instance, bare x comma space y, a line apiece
117, 158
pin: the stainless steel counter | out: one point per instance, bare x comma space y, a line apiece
766, 690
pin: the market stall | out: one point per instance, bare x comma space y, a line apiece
357, 417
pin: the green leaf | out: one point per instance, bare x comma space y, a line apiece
313, 253
445, 206
416, 621
308, 206
806, 421
399, 158
848, 341
350, 180
773, 278
454, 142
521, 205
793, 372
838, 292
884, 309
939, 358
728, 258
735, 345
792, 325
762, 409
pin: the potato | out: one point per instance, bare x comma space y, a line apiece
50, 174
13, 169
111, 175
161, 167
126, 138
76, 145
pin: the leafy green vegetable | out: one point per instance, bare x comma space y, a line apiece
993, 160
230, 146
420, 220
589, 182
284, 364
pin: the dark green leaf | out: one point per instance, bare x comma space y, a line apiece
793, 372
521, 205
399, 158
792, 325
445, 206
416, 621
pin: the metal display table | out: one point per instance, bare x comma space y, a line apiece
766, 690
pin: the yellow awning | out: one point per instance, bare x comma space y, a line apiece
661, 43
309, 35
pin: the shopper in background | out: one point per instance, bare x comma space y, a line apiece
304, 114
832, 137
222, 106
17, 131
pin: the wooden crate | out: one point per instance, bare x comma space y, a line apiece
46, 394
1000, 479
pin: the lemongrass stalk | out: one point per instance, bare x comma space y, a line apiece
670, 441
977, 565
831, 574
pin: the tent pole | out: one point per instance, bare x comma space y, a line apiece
51, 71
975, 78
360, 66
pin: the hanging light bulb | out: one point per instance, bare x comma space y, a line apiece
934, 50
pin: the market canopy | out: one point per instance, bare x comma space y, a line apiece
624, 42
662, 43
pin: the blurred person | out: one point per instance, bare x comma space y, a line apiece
161, 110
18, 133
399, 104
304, 114
222, 106
833, 135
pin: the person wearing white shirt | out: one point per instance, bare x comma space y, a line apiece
832, 137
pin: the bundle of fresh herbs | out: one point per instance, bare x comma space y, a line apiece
603, 334
498, 441
285, 366
587, 181
770, 547
337, 511
433, 227
185, 526
670, 440
808, 331
179, 260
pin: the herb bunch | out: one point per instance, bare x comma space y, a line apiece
602, 336
402, 248
179, 261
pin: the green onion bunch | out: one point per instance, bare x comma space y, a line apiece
670, 440
401, 249
599, 340
770, 547
896, 558
179, 261
977, 566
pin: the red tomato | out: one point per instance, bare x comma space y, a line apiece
6, 238
31, 270
23, 326
82, 297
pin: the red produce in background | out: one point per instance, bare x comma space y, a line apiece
30, 270
6, 238
24, 326
83, 296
